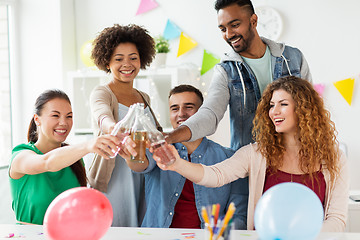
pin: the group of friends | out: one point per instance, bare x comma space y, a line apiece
280, 132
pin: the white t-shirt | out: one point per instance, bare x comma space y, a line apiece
261, 68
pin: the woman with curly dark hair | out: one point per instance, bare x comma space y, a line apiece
295, 142
121, 51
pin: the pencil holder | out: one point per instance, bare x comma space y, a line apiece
212, 233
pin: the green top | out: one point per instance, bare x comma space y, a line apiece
32, 194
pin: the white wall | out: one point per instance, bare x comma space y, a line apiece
325, 30
39, 57
45, 51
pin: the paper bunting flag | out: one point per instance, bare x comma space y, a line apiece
319, 88
186, 44
171, 30
346, 88
146, 5
209, 61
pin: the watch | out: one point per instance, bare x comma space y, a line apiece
270, 23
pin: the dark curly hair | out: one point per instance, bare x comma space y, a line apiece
109, 38
316, 131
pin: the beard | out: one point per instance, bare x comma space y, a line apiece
245, 42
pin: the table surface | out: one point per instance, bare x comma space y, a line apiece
32, 232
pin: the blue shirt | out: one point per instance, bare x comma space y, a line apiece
163, 188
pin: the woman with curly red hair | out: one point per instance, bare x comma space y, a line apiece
295, 142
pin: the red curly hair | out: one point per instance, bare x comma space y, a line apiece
317, 133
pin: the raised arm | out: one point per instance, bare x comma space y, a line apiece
229, 170
205, 121
180, 134
28, 162
192, 171
305, 70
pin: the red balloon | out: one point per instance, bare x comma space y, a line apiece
78, 214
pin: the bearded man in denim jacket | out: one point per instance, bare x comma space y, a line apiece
240, 78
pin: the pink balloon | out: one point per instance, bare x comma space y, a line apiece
78, 214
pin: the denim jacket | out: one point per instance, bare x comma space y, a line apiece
163, 188
235, 85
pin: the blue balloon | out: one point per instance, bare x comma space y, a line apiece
288, 211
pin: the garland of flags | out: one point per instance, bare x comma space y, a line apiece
186, 43
345, 88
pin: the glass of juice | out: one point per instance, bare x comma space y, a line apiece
139, 137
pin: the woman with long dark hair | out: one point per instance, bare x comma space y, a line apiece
45, 167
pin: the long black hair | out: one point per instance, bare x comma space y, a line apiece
32, 136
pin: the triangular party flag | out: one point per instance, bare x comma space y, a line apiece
146, 5
171, 30
346, 88
209, 61
186, 44
319, 87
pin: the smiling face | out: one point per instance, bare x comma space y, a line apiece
182, 106
282, 112
237, 26
55, 122
125, 62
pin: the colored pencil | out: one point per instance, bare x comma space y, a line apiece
206, 219
217, 212
228, 216
212, 219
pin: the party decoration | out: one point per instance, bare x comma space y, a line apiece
346, 88
78, 214
289, 211
146, 5
209, 61
319, 88
85, 53
171, 31
186, 44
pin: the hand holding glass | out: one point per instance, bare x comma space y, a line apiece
123, 127
157, 142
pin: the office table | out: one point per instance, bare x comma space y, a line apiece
35, 232
353, 224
